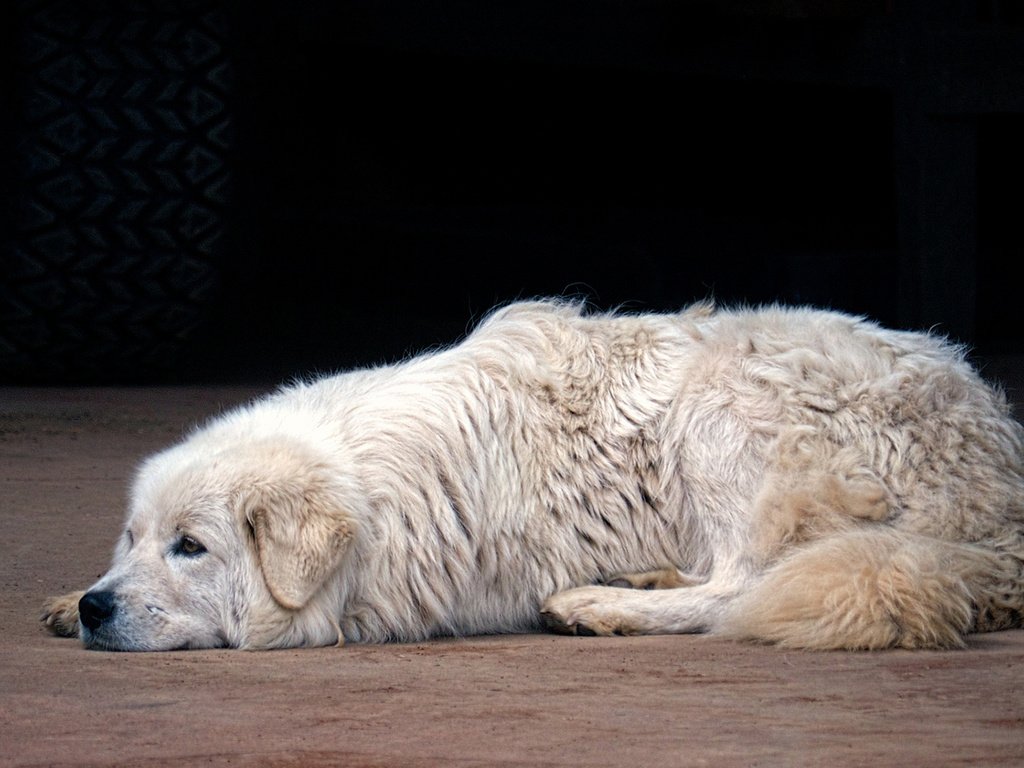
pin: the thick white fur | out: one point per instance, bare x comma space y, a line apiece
812, 480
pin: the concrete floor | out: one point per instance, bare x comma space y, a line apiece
531, 700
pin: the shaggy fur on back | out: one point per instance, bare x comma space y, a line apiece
790, 475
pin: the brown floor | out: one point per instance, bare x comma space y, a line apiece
65, 458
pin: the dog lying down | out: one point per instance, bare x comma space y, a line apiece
788, 476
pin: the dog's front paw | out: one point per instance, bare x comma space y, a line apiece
589, 611
60, 614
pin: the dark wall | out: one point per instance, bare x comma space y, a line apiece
359, 180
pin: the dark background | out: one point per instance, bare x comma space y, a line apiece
224, 191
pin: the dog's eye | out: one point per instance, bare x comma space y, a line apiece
188, 547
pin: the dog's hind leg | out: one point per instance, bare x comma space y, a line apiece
870, 588
60, 614
879, 588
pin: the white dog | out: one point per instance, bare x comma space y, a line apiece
784, 475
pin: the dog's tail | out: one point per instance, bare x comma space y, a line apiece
883, 588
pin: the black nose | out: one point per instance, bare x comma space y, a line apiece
96, 607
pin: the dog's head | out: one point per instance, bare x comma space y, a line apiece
225, 546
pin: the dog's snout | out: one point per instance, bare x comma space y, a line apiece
96, 607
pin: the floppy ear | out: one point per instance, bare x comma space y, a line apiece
300, 526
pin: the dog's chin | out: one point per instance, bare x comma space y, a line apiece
119, 642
